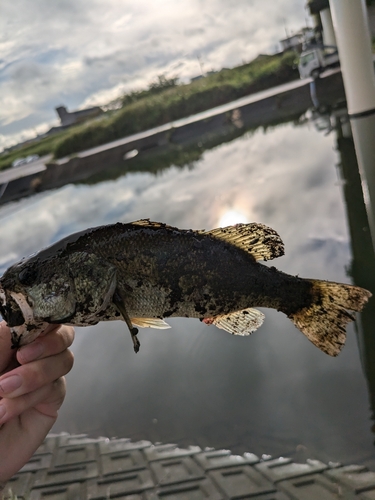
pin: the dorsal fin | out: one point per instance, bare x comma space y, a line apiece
262, 242
147, 223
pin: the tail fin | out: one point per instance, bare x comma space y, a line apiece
324, 321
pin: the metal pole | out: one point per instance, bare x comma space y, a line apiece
354, 44
328, 31
350, 22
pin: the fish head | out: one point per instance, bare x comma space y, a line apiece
33, 294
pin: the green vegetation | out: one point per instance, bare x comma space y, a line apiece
42, 147
180, 101
161, 84
165, 101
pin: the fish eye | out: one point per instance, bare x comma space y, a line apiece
27, 276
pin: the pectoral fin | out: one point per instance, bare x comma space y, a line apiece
242, 322
120, 304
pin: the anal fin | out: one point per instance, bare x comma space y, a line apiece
242, 322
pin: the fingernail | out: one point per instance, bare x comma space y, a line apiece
10, 384
31, 351
2, 411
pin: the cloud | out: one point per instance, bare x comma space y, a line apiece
79, 52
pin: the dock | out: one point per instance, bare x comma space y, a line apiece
75, 467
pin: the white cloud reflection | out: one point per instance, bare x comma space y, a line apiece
80, 52
279, 178
231, 217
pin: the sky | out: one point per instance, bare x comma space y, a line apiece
81, 53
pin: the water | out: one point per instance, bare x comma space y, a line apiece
273, 392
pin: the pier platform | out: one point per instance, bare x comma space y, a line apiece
75, 467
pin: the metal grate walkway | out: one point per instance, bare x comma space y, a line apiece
75, 467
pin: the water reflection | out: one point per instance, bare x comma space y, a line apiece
363, 132
271, 393
362, 266
232, 216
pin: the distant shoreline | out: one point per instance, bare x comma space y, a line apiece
180, 142
156, 106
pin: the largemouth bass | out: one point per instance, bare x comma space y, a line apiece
144, 272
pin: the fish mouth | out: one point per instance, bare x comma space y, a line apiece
2, 298
19, 316
3, 303
30, 328
23, 306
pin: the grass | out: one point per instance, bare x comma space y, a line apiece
165, 101
42, 147
180, 101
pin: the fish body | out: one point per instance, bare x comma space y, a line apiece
144, 272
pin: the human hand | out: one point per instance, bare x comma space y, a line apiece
32, 389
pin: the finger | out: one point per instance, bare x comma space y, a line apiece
22, 430
56, 340
46, 400
32, 376
6, 353
52, 404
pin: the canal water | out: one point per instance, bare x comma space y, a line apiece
271, 393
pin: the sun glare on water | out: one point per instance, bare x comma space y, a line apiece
232, 217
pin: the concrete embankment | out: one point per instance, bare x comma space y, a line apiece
267, 108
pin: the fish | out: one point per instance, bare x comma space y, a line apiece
144, 272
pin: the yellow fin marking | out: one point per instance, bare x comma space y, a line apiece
160, 324
262, 242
